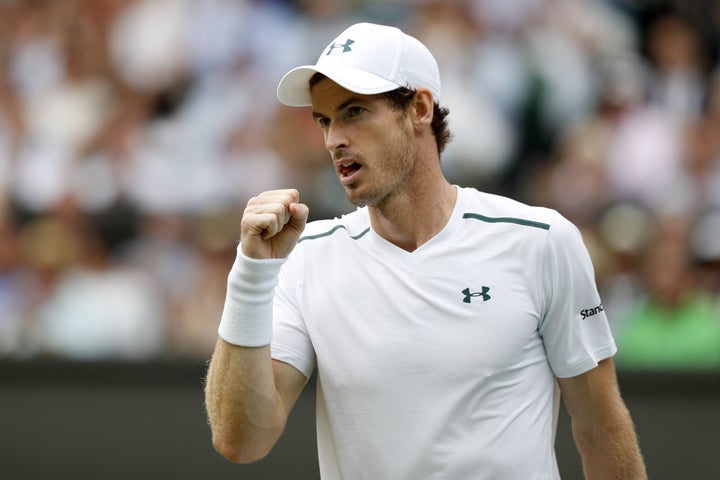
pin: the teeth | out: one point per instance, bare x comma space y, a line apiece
347, 164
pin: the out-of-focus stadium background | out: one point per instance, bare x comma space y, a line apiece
132, 132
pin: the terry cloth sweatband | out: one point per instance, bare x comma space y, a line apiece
247, 315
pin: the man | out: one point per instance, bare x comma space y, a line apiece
440, 319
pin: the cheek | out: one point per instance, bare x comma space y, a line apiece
396, 136
387, 143
402, 148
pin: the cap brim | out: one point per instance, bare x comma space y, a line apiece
294, 89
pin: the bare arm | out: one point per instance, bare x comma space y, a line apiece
601, 425
248, 398
248, 395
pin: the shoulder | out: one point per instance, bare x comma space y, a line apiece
516, 222
496, 209
351, 226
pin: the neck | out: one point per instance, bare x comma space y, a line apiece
409, 220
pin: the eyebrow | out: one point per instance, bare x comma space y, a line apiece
342, 106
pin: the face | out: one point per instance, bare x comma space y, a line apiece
371, 143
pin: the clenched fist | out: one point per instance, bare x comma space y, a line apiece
272, 223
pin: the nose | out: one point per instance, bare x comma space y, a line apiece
335, 137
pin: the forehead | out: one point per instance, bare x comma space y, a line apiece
328, 96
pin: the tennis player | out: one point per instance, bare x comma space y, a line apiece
445, 323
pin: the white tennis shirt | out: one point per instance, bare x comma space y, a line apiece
441, 363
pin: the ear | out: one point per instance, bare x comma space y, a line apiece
423, 108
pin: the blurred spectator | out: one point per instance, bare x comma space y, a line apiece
17, 284
706, 250
214, 234
97, 308
679, 63
624, 230
150, 43
702, 146
676, 324
163, 250
484, 94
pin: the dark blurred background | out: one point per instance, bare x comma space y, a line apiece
132, 132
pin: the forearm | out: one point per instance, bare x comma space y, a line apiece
602, 426
611, 451
242, 401
245, 412
248, 397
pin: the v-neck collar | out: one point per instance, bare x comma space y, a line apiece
392, 252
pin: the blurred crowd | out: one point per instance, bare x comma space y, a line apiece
133, 132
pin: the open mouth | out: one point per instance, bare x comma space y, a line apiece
348, 168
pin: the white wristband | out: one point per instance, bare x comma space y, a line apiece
247, 316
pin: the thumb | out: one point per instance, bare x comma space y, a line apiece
299, 213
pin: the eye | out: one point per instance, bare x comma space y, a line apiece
355, 111
324, 122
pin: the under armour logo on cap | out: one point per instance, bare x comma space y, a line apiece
346, 46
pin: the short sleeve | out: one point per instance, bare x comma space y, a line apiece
574, 326
291, 342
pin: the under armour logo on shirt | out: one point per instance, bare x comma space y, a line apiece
484, 294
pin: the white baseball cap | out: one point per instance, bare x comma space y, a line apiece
366, 59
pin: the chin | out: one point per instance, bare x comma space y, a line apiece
366, 200
364, 197
359, 200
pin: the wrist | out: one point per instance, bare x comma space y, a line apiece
247, 315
